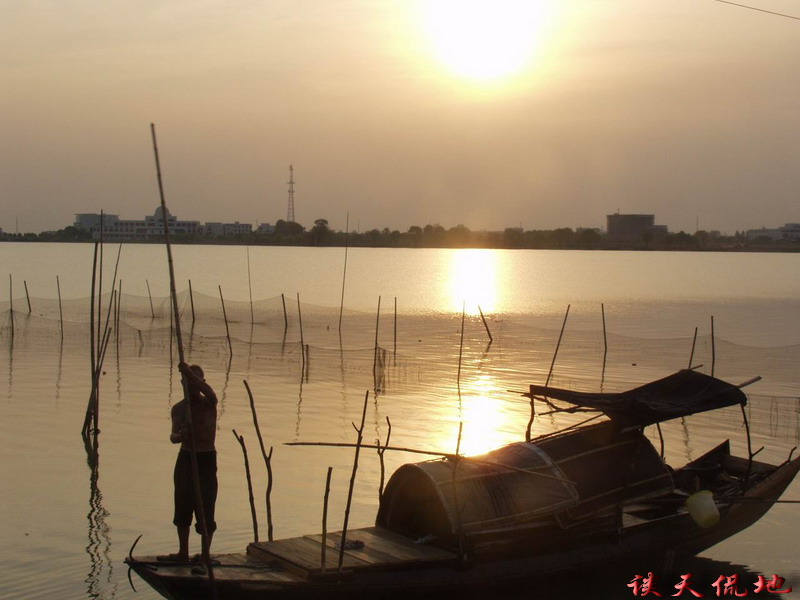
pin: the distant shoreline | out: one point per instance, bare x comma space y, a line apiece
709, 246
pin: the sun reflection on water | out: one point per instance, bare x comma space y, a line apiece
473, 280
487, 422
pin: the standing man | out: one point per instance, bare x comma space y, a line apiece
203, 402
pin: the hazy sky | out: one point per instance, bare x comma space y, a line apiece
544, 114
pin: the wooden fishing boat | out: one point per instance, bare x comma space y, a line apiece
598, 496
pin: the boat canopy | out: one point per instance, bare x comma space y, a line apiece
678, 395
564, 479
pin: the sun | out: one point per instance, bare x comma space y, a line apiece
485, 40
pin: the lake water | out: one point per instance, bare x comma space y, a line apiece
67, 533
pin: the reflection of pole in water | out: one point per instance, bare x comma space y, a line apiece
11, 304
605, 348
99, 543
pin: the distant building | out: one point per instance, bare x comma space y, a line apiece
789, 232
151, 227
224, 229
265, 229
632, 228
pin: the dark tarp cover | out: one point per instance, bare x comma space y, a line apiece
603, 463
681, 394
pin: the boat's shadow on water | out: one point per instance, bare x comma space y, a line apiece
619, 584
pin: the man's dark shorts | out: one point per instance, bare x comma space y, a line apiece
184, 489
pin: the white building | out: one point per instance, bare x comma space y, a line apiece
152, 227
789, 232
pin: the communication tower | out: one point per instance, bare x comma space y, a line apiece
290, 212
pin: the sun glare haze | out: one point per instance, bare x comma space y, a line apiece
473, 280
485, 41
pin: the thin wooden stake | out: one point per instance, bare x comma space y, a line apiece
486, 325
285, 316
558, 345
191, 299
250, 287
549, 375
267, 460
694, 342
375, 348
11, 303
344, 271
360, 431
605, 347
713, 347
395, 327
323, 558
60, 309
198, 498
240, 439
149, 295
381, 452
300, 318
461, 344
225, 316
27, 296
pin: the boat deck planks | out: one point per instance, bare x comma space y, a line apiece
382, 548
232, 567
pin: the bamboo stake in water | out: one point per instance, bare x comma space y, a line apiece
27, 296
381, 452
713, 347
300, 319
323, 558
250, 288
191, 300
549, 375
360, 431
344, 272
395, 329
60, 309
11, 303
267, 460
558, 345
461, 344
605, 347
285, 316
149, 295
375, 348
199, 508
486, 325
225, 316
694, 342
240, 439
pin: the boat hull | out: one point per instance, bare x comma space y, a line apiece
639, 545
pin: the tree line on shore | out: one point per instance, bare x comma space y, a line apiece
287, 233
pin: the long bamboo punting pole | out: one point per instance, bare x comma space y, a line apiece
198, 498
267, 460
395, 329
360, 431
240, 439
605, 347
